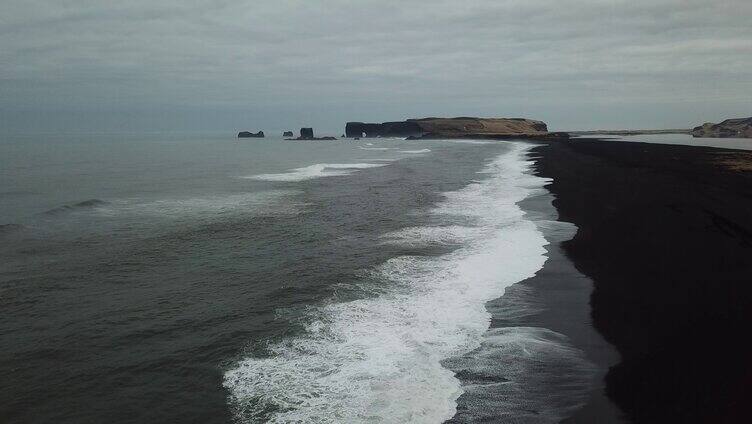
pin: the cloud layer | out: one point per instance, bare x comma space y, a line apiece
220, 63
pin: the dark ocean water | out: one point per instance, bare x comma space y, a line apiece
165, 278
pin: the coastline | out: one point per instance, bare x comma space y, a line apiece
563, 294
664, 232
540, 360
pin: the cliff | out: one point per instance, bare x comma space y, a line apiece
730, 128
463, 127
386, 129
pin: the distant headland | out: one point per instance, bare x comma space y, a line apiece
461, 127
503, 129
730, 128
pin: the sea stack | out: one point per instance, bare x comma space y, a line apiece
306, 134
248, 134
287, 134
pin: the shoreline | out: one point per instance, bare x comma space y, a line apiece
540, 360
564, 295
665, 234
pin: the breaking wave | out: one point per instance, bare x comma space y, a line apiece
383, 358
318, 170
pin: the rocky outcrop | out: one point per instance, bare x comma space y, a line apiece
730, 128
463, 127
247, 134
287, 134
307, 134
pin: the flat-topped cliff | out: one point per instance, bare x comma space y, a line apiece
730, 128
462, 127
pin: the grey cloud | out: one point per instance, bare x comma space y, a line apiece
587, 63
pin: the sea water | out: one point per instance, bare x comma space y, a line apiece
202, 278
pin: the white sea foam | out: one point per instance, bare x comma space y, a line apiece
318, 170
378, 148
416, 151
462, 141
425, 236
379, 359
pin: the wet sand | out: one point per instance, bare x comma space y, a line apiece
562, 294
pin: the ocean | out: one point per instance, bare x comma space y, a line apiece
203, 278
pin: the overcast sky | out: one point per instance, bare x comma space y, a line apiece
258, 64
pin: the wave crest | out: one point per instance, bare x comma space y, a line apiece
318, 170
380, 358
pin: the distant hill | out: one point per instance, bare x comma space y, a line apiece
730, 128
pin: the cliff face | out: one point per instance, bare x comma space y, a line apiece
463, 126
731, 128
447, 127
306, 133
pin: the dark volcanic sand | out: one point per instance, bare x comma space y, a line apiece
665, 233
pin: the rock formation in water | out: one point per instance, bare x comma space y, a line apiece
247, 134
730, 128
287, 134
464, 127
307, 134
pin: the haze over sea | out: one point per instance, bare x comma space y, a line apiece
156, 278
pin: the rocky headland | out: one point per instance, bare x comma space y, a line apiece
730, 128
462, 127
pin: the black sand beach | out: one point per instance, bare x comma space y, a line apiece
665, 233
